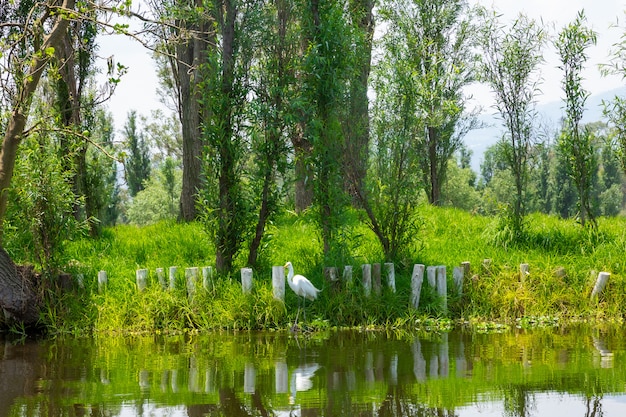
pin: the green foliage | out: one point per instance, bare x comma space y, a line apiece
158, 200
458, 190
102, 189
137, 161
561, 256
41, 219
433, 39
576, 144
511, 57
393, 180
326, 65
611, 200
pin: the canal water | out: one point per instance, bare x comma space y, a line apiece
574, 371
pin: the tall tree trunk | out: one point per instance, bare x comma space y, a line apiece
17, 294
357, 127
434, 183
190, 55
264, 214
69, 101
302, 149
228, 235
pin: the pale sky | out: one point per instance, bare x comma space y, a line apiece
137, 90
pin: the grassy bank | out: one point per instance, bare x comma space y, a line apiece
448, 237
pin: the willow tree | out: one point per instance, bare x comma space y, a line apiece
273, 80
225, 90
576, 141
390, 195
511, 57
436, 40
325, 69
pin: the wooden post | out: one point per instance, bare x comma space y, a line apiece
207, 277
442, 289
431, 275
376, 278
466, 269
80, 280
391, 276
160, 273
603, 278
191, 277
141, 277
457, 276
416, 284
347, 275
172, 277
278, 282
246, 280
523, 272
102, 281
366, 270
331, 276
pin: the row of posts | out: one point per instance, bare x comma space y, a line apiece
371, 279
191, 278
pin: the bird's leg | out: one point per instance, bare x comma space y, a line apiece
295, 324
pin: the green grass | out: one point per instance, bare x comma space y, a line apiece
448, 237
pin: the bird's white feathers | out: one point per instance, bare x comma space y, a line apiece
300, 285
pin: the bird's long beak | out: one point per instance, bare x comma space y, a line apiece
285, 266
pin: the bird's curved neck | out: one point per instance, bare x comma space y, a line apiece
290, 273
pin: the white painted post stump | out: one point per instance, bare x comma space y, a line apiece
603, 278
347, 275
523, 272
431, 275
246, 280
141, 277
80, 280
191, 277
466, 269
160, 273
457, 276
172, 277
417, 278
391, 276
278, 282
366, 270
376, 278
102, 281
207, 277
442, 287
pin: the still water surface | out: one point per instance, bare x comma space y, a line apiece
564, 372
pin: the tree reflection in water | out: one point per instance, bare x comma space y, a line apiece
334, 374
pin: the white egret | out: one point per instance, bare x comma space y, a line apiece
302, 287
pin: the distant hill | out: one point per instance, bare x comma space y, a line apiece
479, 140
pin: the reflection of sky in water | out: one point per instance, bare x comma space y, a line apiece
551, 404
